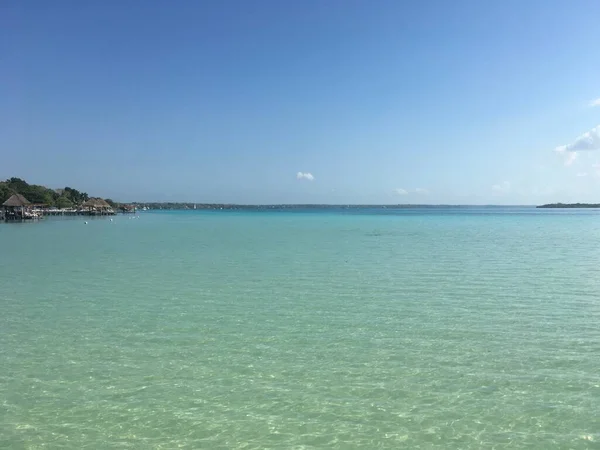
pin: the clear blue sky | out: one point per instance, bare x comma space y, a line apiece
227, 101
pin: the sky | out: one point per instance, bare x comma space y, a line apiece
304, 101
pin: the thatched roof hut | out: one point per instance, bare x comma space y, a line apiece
98, 205
90, 203
95, 203
103, 203
15, 208
16, 201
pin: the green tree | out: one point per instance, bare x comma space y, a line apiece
17, 185
75, 196
5, 192
39, 194
65, 198
63, 202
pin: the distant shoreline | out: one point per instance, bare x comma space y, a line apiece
218, 206
569, 205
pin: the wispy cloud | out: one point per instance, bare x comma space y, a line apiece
569, 157
401, 191
542, 190
421, 191
595, 103
582, 174
502, 188
305, 176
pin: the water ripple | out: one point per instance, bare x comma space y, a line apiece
301, 331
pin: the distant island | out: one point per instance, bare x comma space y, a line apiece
570, 205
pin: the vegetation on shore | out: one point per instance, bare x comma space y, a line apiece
41, 195
570, 205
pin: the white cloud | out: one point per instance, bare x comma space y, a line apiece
502, 188
401, 191
586, 142
305, 176
582, 174
594, 103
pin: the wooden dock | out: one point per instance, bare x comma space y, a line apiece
37, 214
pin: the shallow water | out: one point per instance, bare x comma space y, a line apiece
454, 328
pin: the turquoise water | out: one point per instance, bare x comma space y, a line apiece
457, 328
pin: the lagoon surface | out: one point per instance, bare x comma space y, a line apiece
428, 328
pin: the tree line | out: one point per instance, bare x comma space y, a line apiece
59, 198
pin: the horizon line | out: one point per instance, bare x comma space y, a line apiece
380, 205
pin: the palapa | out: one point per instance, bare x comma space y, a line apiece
16, 200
